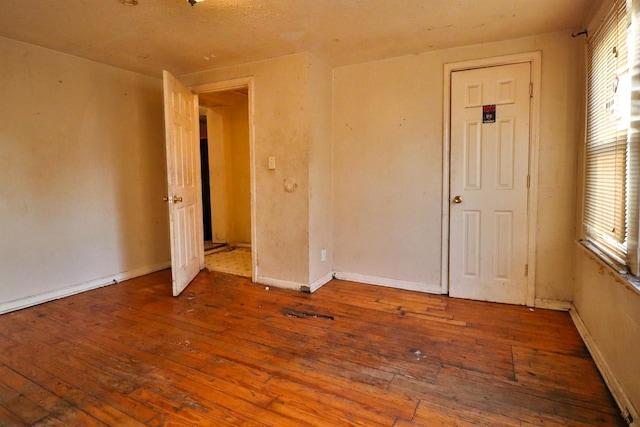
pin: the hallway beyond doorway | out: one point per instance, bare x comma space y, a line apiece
232, 260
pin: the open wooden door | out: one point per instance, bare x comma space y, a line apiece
183, 178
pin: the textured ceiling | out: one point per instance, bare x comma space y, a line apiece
172, 35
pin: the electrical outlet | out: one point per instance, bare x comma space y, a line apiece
272, 163
323, 255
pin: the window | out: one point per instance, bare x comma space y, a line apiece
607, 143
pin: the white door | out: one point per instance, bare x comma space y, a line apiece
489, 183
183, 177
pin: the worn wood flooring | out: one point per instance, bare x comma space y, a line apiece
228, 352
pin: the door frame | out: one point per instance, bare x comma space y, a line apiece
535, 60
223, 86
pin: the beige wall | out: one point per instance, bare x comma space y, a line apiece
320, 172
229, 172
282, 128
82, 174
240, 173
387, 136
608, 306
610, 311
218, 154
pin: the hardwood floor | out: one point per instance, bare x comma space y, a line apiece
228, 352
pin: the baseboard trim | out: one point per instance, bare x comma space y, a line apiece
627, 409
284, 284
321, 281
20, 303
390, 283
552, 304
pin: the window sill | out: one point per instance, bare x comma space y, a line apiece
620, 275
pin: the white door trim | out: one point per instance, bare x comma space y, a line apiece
230, 85
223, 85
535, 59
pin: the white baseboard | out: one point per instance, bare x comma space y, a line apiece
30, 301
552, 304
321, 281
284, 284
371, 280
626, 407
390, 283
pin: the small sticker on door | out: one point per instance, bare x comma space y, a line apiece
489, 113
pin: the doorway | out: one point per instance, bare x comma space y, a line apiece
227, 166
490, 181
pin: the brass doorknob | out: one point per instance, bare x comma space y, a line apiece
174, 199
457, 199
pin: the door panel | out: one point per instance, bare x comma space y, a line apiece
489, 169
471, 246
472, 156
183, 178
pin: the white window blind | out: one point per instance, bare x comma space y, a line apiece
608, 101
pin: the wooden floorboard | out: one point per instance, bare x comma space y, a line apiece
231, 353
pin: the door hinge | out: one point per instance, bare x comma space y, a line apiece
530, 89
526, 270
528, 181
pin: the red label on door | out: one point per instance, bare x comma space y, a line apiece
488, 113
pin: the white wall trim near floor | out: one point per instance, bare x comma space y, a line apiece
390, 283
21, 303
626, 407
284, 284
321, 282
552, 304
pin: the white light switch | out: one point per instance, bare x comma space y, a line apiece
272, 163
